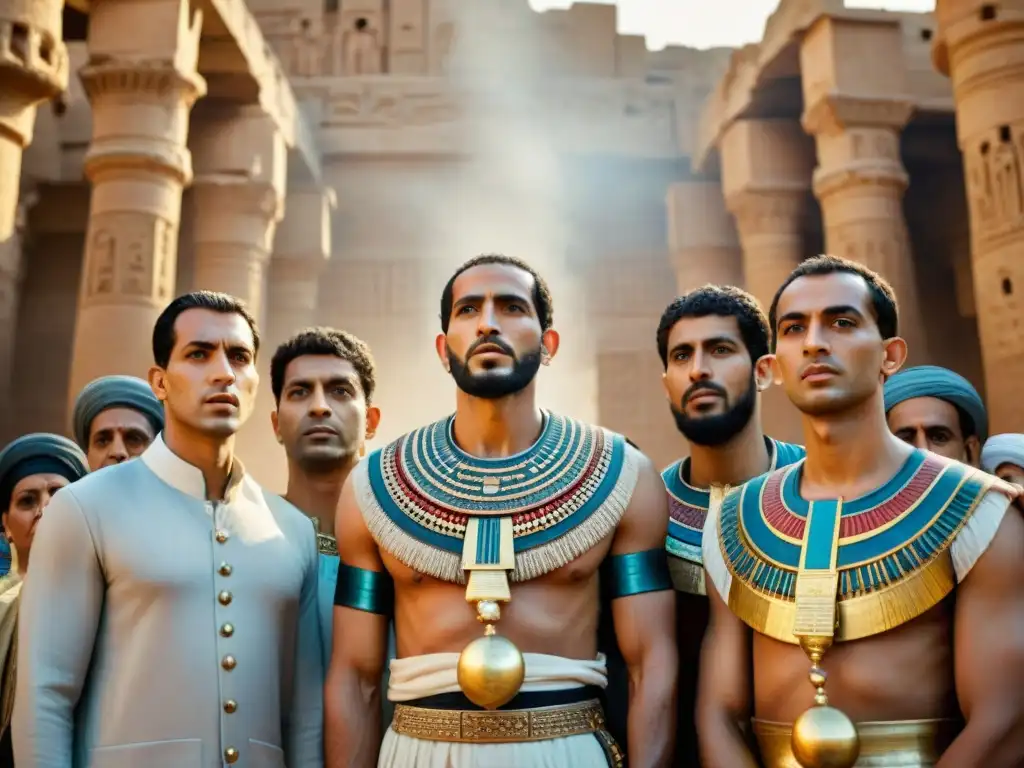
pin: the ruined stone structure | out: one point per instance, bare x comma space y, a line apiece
330, 161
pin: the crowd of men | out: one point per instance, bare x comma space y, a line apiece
509, 587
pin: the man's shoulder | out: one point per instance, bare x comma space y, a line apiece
105, 486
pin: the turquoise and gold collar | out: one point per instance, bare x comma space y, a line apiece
563, 495
891, 560
688, 511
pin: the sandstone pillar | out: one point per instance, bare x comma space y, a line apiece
33, 68
860, 179
241, 168
701, 235
767, 167
302, 245
141, 81
980, 45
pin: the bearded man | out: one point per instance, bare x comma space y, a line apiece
514, 510
712, 342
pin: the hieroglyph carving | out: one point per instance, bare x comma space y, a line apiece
388, 105
995, 181
129, 256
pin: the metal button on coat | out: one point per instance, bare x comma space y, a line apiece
228, 662
224, 598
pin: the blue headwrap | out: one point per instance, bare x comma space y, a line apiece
37, 454
941, 383
114, 392
1002, 449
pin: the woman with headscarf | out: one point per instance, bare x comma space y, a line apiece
32, 469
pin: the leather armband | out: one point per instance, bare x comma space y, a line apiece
370, 591
637, 572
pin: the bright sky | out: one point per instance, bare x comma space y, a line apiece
707, 23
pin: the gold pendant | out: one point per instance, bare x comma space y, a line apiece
491, 668
823, 736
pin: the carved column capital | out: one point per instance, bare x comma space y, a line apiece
33, 57
237, 211
858, 142
155, 99
834, 113
769, 211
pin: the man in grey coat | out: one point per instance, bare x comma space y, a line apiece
171, 618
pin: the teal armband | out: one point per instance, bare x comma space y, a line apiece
370, 591
638, 572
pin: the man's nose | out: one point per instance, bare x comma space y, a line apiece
699, 370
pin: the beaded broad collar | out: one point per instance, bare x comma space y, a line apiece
892, 557
565, 494
688, 511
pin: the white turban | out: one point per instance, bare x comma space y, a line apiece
1002, 449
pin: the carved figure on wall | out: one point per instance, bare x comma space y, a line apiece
362, 46
1006, 172
102, 264
307, 51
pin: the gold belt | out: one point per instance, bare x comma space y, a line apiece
896, 744
498, 726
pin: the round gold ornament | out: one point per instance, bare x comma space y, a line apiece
824, 737
491, 670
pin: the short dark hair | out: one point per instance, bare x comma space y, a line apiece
324, 341
164, 336
721, 301
883, 298
542, 301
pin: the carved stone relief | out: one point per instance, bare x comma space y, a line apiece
129, 255
994, 170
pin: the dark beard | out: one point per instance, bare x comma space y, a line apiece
492, 385
719, 429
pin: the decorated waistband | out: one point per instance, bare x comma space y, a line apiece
436, 508
885, 554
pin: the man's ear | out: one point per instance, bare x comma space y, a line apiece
441, 347
895, 355
277, 427
764, 372
158, 383
372, 421
549, 345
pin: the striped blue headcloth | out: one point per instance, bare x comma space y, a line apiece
941, 383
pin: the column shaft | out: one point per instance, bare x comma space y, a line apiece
241, 171
702, 238
138, 165
33, 68
770, 225
981, 47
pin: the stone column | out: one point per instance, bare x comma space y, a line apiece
241, 168
33, 68
980, 45
141, 81
302, 246
860, 179
701, 235
767, 167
